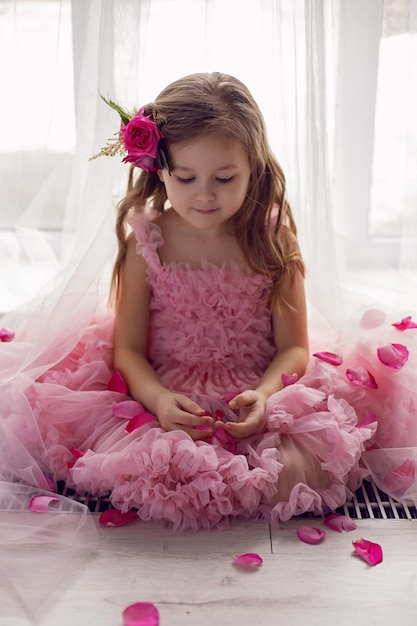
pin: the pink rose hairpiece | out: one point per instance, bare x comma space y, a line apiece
139, 141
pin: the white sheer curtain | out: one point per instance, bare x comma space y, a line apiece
312, 66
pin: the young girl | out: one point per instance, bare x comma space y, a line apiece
186, 405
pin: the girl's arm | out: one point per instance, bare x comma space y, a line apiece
174, 411
290, 336
291, 341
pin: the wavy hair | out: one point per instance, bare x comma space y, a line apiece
220, 105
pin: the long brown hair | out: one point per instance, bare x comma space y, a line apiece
221, 105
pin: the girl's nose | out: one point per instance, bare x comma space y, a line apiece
205, 191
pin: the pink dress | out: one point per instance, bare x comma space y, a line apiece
210, 338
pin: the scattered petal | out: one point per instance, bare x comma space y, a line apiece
405, 324
114, 517
134, 412
368, 550
141, 614
77, 454
40, 503
329, 357
339, 522
206, 428
369, 419
249, 559
289, 380
393, 355
372, 319
398, 481
127, 409
139, 420
225, 440
118, 384
361, 377
310, 535
6, 334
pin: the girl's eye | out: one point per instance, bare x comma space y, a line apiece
185, 180
225, 180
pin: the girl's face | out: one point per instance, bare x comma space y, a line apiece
209, 180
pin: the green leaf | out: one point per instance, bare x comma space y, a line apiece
125, 117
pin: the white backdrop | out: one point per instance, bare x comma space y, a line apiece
314, 68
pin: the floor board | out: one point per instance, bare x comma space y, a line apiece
192, 580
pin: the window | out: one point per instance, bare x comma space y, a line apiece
37, 116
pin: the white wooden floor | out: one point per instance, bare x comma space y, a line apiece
191, 579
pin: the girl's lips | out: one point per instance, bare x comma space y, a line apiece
206, 211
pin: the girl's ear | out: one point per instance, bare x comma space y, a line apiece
160, 176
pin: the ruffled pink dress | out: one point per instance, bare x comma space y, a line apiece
210, 338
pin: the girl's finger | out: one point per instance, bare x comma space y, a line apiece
191, 420
189, 405
246, 398
239, 430
195, 433
238, 401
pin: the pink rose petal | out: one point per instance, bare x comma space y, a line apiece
139, 420
40, 503
225, 440
310, 535
361, 377
405, 324
329, 357
372, 319
369, 419
77, 454
394, 355
114, 517
339, 522
141, 614
249, 559
134, 412
289, 380
399, 480
368, 551
6, 334
118, 384
202, 427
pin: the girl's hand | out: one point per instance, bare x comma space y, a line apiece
251, 405
177, 412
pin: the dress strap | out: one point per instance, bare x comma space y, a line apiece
148, 236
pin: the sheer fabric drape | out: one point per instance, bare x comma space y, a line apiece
313, 68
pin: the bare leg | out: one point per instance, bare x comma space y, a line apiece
300, 466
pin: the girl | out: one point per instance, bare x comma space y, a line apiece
191, 413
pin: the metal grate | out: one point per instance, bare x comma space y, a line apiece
94, 503
369, 502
